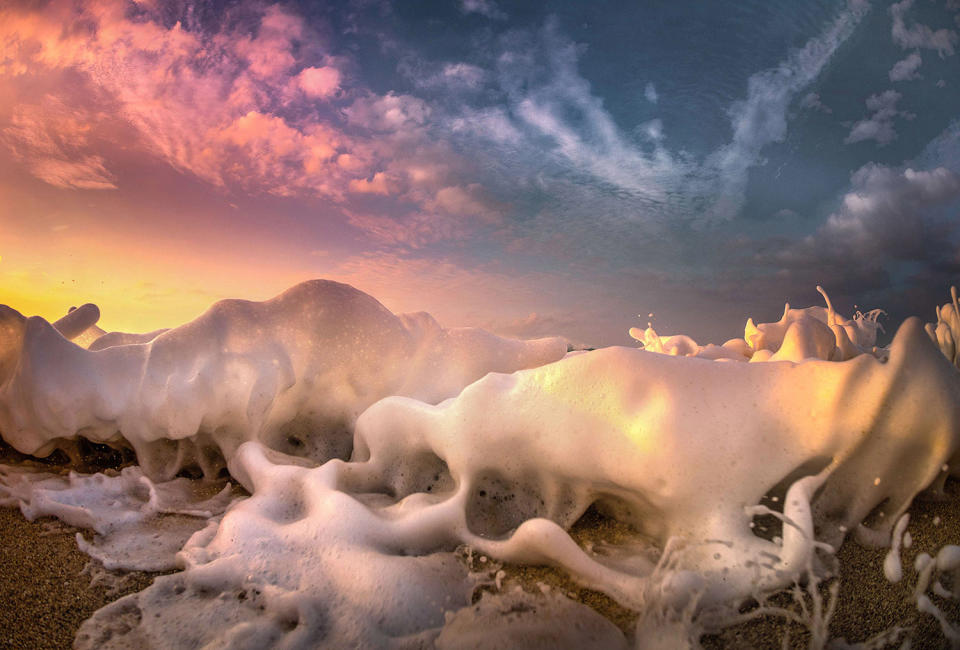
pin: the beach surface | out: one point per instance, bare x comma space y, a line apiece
48, 587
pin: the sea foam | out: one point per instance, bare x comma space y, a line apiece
680, 443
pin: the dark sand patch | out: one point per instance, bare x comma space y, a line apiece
44, 597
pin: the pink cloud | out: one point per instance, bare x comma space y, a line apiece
271, 52
203, 103
53, 142
389, 112
233, 108
87, 173
319, 82
376, 185
265, 150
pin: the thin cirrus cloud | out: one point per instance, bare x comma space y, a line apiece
486, 8
761, 118
555, 123
56, 149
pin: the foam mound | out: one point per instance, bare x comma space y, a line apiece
293, 372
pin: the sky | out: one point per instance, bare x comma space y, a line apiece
531, 168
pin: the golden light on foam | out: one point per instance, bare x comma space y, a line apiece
638, 424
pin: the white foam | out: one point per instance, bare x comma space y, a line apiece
293, 372
892, 568
682, 447
138, 524
811, 333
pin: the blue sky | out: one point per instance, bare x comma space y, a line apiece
553, 168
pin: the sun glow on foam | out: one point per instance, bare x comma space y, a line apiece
376, 448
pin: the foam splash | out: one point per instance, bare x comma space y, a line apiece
137, 524
680, 447
811, 333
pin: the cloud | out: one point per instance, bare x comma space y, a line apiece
271, 51
450, 214
53, 141
319, 82
262, 150
906, 69
208, 103
888, 214
235, 105
761, 118
917, 35
552, 135
943, 150
879, 125
812, 101
375, 185
461, 75
893, 235
881, 216
555, 109
650, 93
486, 8
390, 112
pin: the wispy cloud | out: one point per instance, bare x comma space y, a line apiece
53, 141
486, 8
589, 141
812, 101
761, 118
650, 93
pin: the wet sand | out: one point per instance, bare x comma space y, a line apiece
44, 597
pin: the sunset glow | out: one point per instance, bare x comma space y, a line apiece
479, 324
542, 172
